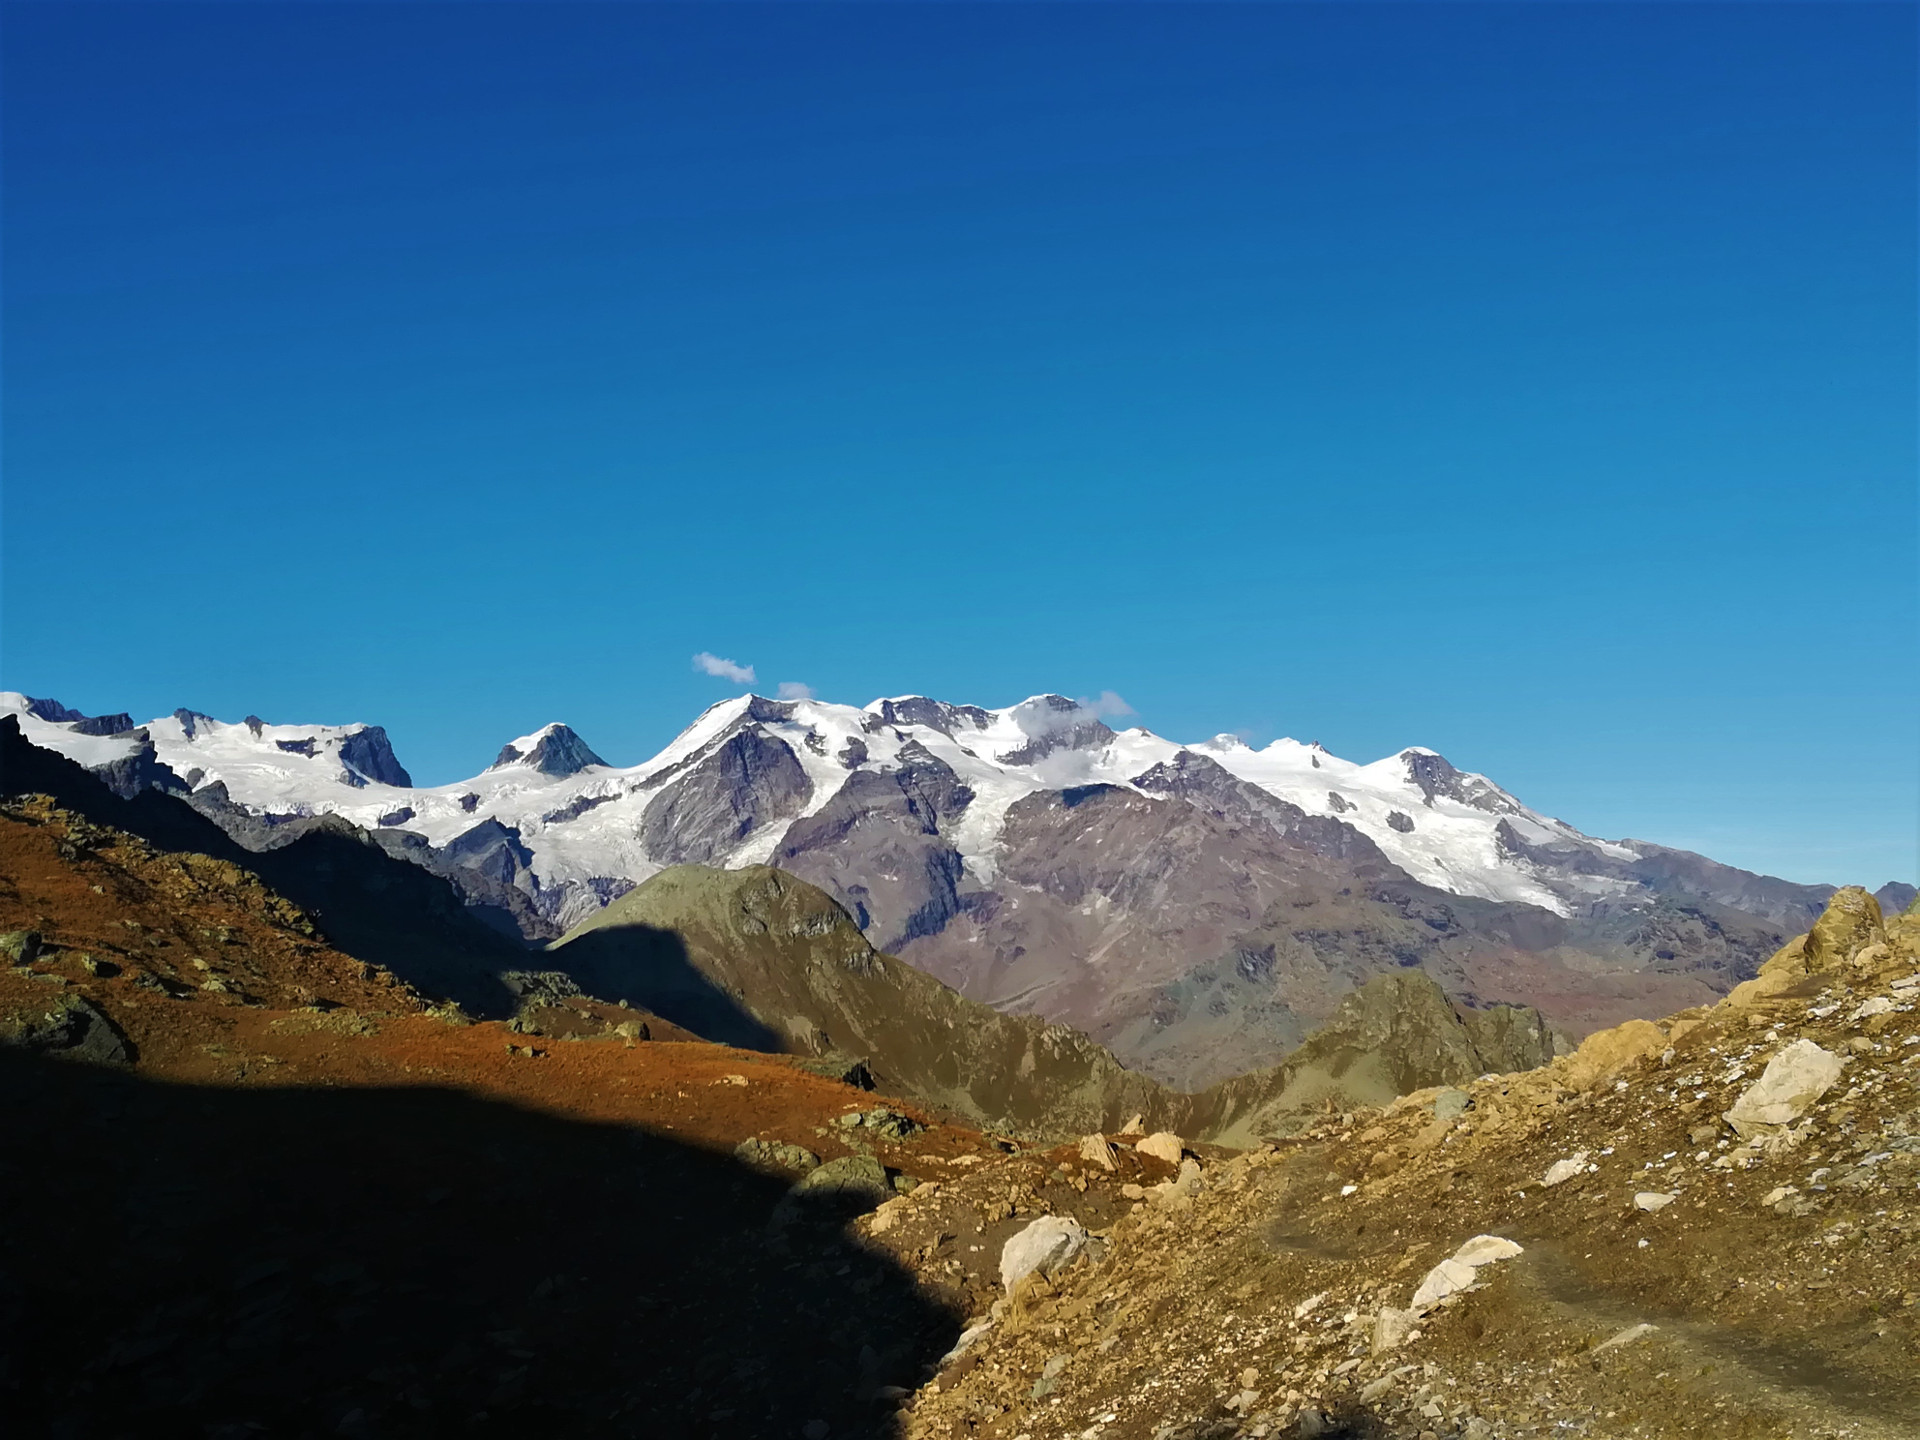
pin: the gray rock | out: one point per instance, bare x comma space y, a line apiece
73, 1028
1450, 1104
1046, 1245
851, 1177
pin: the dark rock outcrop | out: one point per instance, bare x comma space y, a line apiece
749, 780
559, 751
878, 847
370, 754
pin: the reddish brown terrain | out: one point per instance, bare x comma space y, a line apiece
312, 1204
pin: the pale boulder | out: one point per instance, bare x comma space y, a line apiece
1048, 1244
1460, 1269
1789, 1087
1162, 1145
1562, 1171
1605, 1053
1098, 1150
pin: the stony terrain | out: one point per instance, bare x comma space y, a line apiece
1675, 1273
262, 1183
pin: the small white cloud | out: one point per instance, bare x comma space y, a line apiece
1107, 705
794, 690
723, 669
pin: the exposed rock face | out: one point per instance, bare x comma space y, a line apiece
878, 847
370, 753
1850, 922
937, 714
758, 958
142, 770
559, 751
1434, 776
749, 780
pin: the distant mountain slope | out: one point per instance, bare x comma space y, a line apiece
1197, 908
754, 957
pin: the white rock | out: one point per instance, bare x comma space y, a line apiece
965, 1342
1391, 1328
1162, 1145
1793, 1080
1483, 1249
1779, 1193
1047, 1244
1449, 1277
1307, 1306
1878, 1005
1653, 1200
1563, 1170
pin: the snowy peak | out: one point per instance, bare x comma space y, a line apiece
1431, 775
279, 763
551, 750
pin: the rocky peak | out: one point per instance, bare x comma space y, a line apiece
1433, 775
369, 753
552, 750
1052, 723
934, 714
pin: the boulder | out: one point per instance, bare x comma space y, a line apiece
20, 946
1098, 1150
71, 1027
1460, 1269
1653, 1200
1850, 922
1449, 1277
1563, 1170
1605, 1053
1047, 1245
1162, 1145
1790, 1085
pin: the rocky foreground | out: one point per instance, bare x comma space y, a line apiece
1709, 1226
259, 1184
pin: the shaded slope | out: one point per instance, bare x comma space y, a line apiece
786, 953
704, 947
380, 910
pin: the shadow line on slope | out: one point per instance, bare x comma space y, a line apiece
651, 967
186, 1261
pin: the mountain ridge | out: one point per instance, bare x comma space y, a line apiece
1199, 908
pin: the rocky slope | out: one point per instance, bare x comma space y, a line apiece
1706, 1226
758, 958
255, 1185
1197, 909
754, 958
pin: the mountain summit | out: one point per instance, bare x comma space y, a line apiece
1196, 908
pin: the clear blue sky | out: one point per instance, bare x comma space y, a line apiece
1532, 382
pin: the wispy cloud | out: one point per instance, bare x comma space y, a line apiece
794, 690
1107, 705
723, 669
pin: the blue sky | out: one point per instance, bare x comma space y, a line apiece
1533, 382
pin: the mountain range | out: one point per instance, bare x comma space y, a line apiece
1195, 908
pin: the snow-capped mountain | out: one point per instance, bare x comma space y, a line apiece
1190, 905
586, 823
